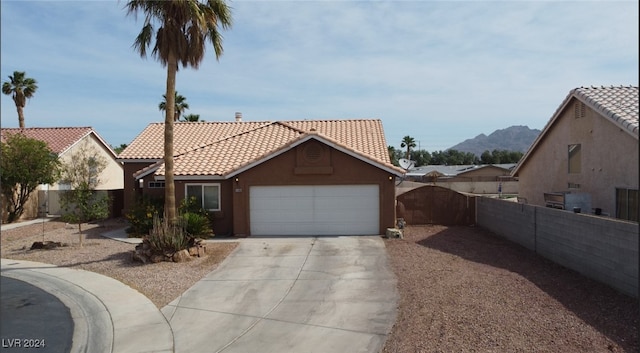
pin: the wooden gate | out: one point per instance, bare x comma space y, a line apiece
431, 204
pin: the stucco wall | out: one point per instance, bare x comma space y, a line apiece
609, 160
289, 168
131, 186
281, 170
601, 248
111, 177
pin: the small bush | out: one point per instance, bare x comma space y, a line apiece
197, 221
196, 225
140, 216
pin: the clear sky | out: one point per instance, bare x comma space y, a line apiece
439, 71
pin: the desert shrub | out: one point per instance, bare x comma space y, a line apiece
141, 215
197, 221
196, 225
167, 238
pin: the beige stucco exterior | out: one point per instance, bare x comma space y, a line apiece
111, 178
609, 159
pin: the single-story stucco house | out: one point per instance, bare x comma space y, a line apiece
65, 142
306, 177
587, 155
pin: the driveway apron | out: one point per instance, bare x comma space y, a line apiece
325, 294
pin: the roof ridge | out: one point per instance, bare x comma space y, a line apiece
48, 128
284, 123
206, 144
351, 119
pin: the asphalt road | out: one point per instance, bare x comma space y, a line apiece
32, 320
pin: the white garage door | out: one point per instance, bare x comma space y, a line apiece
314, 210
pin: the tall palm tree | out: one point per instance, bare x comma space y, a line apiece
20, 88
181, 28
180, 105
408, 142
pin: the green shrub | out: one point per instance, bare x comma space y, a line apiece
196, 220
196, 225
140, 216
167, 238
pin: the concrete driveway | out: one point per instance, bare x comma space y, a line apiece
325, 294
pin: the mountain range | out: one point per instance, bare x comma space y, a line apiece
514, 138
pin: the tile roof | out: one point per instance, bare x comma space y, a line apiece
618, 103
225, 147
59, 139
363, 135
149, 144
227, 155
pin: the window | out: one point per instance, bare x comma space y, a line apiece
208, 195
575, 158
156, 184
627, 204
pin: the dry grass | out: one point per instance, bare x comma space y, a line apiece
160, 282
465, 290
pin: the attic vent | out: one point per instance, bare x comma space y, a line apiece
579, 110
313, 152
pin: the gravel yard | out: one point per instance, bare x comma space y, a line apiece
463, 289
160, 282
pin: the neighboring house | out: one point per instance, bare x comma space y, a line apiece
475, 179
587, 155
311, 177
66, 142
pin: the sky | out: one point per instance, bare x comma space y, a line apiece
438, 71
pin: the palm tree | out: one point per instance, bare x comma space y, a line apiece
192, 117
180, 105
408, 142
20, 88
181, 28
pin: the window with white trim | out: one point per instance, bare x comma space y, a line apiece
207, 195
156, 184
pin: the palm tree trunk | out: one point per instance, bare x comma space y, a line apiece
20, 116
169, 191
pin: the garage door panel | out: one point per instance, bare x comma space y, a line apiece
314, 210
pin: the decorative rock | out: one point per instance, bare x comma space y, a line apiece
181, 256
393, 233
193, 251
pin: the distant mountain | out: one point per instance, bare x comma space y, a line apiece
514, 138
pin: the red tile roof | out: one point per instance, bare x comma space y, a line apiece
59, 139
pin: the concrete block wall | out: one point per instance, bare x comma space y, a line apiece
603, 249
513, 221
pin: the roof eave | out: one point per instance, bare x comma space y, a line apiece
392, 170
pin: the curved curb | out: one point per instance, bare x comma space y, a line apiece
108, 315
